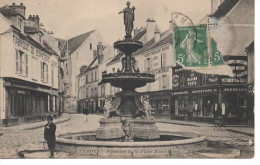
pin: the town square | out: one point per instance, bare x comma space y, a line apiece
127, 79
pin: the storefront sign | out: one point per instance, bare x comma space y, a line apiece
180, 93
235, 89
233, 80
204, 91
24, 45
243, 62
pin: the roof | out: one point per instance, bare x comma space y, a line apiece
250, 48
224, 8
165, 38
75, 42
90, 67
46, 45
139, 35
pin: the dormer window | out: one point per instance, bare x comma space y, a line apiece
40, 39
19, 23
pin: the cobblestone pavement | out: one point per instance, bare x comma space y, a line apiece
12, 140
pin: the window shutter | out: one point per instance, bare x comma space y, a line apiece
42, 71
26, 64
17, 61
150, 64
47, 78
167, 81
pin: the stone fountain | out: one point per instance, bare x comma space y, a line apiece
128, 106
128, 130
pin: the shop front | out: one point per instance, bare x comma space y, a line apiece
201, 97
161, 103
28, 102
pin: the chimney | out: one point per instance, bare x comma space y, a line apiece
100, 53
157, 35
150, 29
18, 8
136, 31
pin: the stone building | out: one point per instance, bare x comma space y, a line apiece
75, 53
28, 68
90, 93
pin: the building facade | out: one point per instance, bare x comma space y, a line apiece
77, 52
28, 68
90, 92
200, 97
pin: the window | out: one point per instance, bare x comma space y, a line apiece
35, 70
19, 23
86, 92
44, 72
92, 78
52, 76
90, 46
32, 49
95, 76
54, 103
49, 103
22, 63
113, 70
147, 64
163, 60
164, 81
86, 79
103, 90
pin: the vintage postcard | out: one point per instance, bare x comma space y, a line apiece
127, 79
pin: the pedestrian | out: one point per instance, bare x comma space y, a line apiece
85, 111
49, 135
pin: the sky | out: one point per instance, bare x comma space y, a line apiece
69, 18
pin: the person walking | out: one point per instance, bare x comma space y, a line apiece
85, 111
49, 135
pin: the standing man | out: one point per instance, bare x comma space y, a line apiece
49, 135
85, 111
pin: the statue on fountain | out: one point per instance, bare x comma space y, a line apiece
129, 18
127, 128
111, 108
143, 107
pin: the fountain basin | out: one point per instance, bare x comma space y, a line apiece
169, 144
134, 80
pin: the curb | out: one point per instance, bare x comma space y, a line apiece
30, 126
42, 124
240, 132
185, 124
235, 153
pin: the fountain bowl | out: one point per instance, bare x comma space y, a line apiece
170, 144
